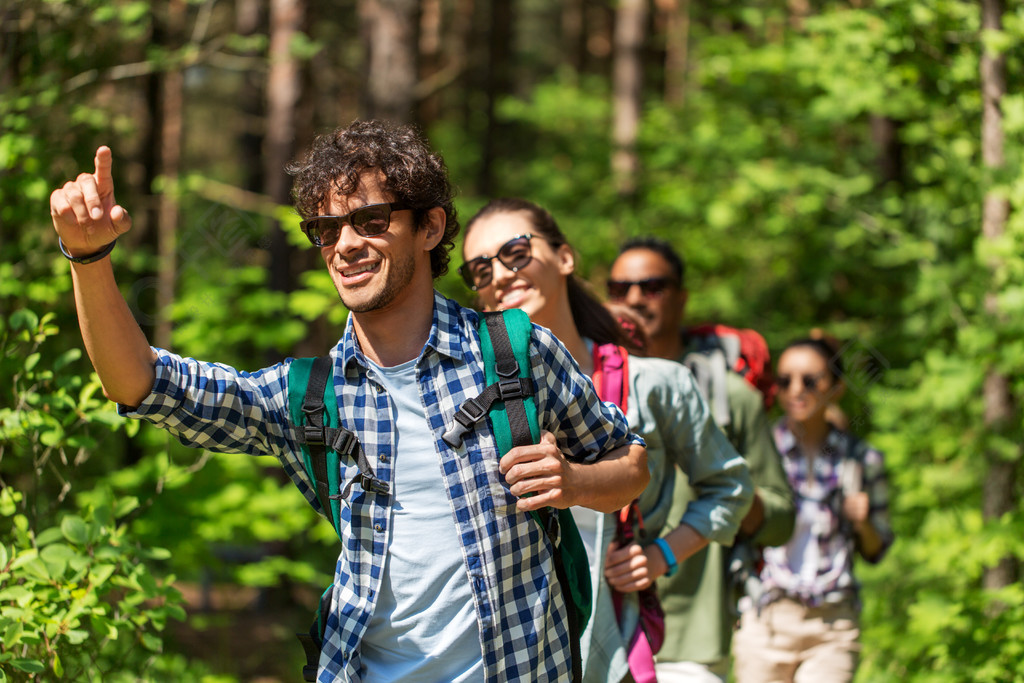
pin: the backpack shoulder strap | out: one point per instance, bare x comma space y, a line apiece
512, 411
851, 473
505, 341
313, 408
710, 370
611, 374
505, 345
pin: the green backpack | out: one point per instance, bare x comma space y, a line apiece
508, 404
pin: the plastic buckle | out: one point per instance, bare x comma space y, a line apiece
313, 435
374, 485
553, 527
507, 369
455, 434
472, 409
510, 388
345, 443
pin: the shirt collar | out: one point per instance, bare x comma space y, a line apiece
447, 328
786, 441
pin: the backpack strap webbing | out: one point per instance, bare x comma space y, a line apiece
505, 340
314, 410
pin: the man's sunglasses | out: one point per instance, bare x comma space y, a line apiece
651, 287
810, 382
514, 254
368, 221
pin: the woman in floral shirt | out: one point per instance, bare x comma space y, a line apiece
806, 626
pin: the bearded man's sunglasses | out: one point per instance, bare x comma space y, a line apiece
650, 288
368, 221
514, 255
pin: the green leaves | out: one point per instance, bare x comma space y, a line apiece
63, 583
75, 530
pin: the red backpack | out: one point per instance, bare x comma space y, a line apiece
742, 350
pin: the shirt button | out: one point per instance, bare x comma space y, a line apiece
378, 387
378, 528
383, 457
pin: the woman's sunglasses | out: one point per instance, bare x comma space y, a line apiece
651, 287
810, 382
514, 254
368, 221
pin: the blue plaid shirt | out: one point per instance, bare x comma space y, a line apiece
519, 605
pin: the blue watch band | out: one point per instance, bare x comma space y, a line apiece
670, 557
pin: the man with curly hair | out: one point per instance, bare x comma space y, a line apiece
442, 575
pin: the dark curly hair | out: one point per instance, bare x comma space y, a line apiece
413, 175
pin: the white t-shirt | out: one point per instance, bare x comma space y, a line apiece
424, 627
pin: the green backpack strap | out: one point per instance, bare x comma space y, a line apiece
313, 409
505, 341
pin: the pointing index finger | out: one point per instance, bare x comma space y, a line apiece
104, 181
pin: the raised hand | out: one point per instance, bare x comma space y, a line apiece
85, 214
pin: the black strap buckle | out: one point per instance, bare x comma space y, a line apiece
344, 443
510, 389
472, 409
468, 415
313, 435
373, 484
506, 368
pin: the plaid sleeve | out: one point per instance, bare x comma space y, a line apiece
585, 428
876, 485
215, 407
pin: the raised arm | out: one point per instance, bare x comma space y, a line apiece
88, 219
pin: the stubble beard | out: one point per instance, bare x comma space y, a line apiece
398, 279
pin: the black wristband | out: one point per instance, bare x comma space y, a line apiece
88, 258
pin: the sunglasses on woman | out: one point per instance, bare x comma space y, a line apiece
514, 254
650, 288
368, 221
810, 382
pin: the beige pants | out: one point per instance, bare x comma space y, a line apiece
791, 643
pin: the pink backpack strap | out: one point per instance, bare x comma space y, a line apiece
611, 374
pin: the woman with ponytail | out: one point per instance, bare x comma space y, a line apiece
517, 257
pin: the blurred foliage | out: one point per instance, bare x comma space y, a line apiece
767, 176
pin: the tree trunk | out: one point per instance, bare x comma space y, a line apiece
283, 90
677, 49
1000, 479
389, 38
498, 84
574, 35
429, 106
171, 123
885, 135
630, 21
248, 22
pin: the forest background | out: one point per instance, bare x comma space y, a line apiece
853, 166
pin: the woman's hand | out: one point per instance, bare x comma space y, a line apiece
631, 568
